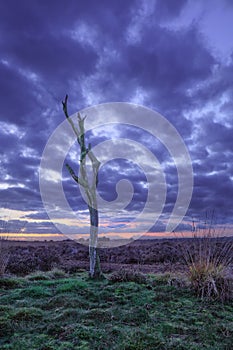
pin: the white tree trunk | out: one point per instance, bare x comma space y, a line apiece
90, 189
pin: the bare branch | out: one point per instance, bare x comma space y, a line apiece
65, 110
64, 104
75, 177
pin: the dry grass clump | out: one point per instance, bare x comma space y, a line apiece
208, 257
211, 281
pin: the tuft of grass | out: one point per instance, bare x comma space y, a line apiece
208, 258
210, 280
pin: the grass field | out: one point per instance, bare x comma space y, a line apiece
45, 311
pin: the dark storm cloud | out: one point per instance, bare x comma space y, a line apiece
215, 135
167, 9
158, 227
220, 84
173, 60
42, 227
213, 192
213, 186
165, 63
34, 43
8, 144
17, 100
12, 226
52, 57
38, 37
38, 215
21, 198
108, 51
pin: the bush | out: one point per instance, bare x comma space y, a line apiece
4, 254
211, 280
208, 258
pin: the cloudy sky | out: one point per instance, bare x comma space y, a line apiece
171, 56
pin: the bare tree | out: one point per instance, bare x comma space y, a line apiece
89, 187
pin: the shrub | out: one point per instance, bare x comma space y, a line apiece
208, 257
4, 254
22, 266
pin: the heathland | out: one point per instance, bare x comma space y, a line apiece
146, 301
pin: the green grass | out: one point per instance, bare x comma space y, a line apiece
78, 313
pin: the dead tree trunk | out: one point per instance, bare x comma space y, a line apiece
89, 189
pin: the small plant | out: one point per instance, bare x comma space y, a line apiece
208, 257
210, 280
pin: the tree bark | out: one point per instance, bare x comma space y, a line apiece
90, 190
95, 270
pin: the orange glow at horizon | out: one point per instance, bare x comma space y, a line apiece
111, 235
30, 236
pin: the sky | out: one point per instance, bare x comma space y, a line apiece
174, 57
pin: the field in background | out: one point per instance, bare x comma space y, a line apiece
161, 255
